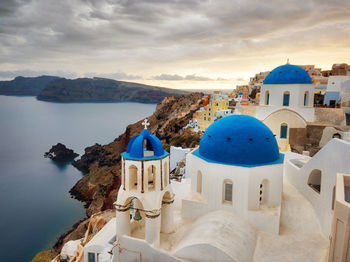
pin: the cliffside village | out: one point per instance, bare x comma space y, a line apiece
320, 114
269, 181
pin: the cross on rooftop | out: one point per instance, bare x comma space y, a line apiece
145, 123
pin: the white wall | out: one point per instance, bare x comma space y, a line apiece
150, 200
335, 83
176, 155
246, 190
333, 158
131, 250
296, 100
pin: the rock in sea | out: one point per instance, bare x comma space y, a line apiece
61, 153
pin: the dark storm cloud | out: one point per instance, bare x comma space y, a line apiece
137, 34
8, 7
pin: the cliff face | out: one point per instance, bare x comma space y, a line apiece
103, 90
25, 86
99, 187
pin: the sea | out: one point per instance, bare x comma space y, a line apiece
35, 204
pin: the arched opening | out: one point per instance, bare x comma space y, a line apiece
284, 131
227, 191
267, 98
151, 181
286, 96
336, 135
137, 222
166, 174
314, 180
264, 192
306, 98
199, 182
132, 177
148, 148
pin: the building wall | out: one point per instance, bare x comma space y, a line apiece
296, 100
177, 154
331, 96
152, 199
246, 191
330, 115
330, 160
249, 110
206, 117
335, 83
284, 116
131, 250
340, 237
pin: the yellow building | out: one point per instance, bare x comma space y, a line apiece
206, 115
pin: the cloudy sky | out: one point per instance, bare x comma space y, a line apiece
183, 43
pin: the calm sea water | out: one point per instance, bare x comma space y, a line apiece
35, 206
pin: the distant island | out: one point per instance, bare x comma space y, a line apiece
56, 89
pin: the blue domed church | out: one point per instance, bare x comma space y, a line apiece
286, 101
237, 168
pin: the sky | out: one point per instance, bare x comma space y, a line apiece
180, 43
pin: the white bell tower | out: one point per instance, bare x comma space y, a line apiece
145, 191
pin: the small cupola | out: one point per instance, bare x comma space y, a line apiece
144, 146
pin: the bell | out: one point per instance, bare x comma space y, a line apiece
137, 216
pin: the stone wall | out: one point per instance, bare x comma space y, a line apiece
248, 110
308, 139
330, 115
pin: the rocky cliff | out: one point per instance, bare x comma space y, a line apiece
103, 90
101, 164
25, 86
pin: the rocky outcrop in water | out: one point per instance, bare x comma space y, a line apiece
60, 153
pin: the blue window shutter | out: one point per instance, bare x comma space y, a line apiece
286, 99
284, 130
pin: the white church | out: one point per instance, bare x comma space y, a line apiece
242, 200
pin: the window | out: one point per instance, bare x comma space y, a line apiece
306, 98
209, 118
263, 193
91, 257
286, 96
267, 98
228, 188
284, 131
199, 182
314, 180
151, 178
133, 177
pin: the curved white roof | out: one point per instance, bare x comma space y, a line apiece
218, 236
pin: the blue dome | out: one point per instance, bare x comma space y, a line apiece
239, 140
288, 74
135, 148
